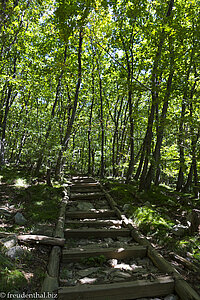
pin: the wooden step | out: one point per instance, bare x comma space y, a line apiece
91, 214
85, 190
81, 176
83, 180
96, 233
86, 196
118, 253
159, 287
84, 185
94, 223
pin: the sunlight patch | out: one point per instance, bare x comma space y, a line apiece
21, 183
87, 280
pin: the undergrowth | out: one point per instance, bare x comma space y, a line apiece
156, 212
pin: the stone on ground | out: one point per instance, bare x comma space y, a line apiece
19, 219
15, 252
86, 272
9, 242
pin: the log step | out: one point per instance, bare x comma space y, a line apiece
95, 223
83, 180
86, 196
91, 214
84, 185
118, 253
161, 286
85, 190
96, 233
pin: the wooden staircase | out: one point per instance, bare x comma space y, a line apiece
103, 233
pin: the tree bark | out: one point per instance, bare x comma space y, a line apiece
102, 126
8, 103
48, 131
154, 95
180, 180
160, 130
72, 117
90, 124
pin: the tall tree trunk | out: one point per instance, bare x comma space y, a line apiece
160, 129
131, 161
146, 149
193, 166
90, 125
48, 131
8, 103
129, 64
102, 126
154, 95
116, 137
180, 180
72, 117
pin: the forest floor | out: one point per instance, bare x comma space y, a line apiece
39, 204
161, 215
158, 214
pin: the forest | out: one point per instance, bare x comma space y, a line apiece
108, 88
105, 88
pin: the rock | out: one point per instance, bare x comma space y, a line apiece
9, 242
86, 272
85, 206
83, 242
179, 230
171, 297
15, 252
122, 274
124, 239
19, 219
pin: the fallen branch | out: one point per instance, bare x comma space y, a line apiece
189, 265
41, 239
